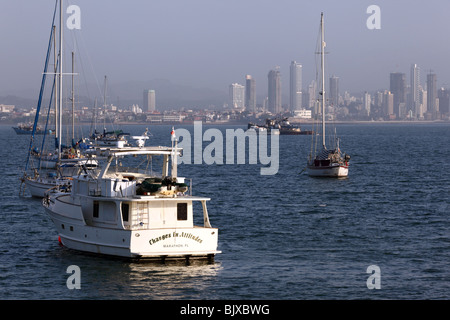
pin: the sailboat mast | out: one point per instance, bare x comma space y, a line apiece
60, 75
73, 99
56, 86
104, 103
322, 53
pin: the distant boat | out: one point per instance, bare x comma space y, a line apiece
26, 128
110, 139
326, 162
279, 126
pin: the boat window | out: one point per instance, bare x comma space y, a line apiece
125, 211
95, 212
181, 211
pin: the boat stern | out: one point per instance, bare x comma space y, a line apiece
197, 242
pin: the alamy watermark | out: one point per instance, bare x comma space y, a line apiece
213, 153
74, 20
74, 280
374, 280
374, 20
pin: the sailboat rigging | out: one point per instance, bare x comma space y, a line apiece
64, 162
328, 162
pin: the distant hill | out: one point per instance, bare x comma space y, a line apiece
19, 102
168, 94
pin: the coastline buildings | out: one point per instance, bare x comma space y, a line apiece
149, 101
274, 91
295, 86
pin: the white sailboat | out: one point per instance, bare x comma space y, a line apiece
56, 168
132, 212
326, 162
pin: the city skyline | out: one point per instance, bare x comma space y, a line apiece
194, 43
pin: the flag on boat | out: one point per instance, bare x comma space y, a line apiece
173, 134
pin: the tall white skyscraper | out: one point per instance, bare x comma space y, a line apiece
415, 83
295, 93
149, 101
237, 95
367, 103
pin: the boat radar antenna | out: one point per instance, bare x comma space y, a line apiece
140, 140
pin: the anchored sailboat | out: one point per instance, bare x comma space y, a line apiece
65, 161
327, 162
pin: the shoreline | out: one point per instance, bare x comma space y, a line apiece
244, 123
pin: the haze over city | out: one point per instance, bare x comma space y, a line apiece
211, 44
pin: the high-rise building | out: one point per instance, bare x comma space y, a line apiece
367, 103
312, 94
398, 89
444, 101
422, 101
334, 91
295, 86
432, 95
414, 94
149, 104
237, 95
250, 93
388, 104
274, 96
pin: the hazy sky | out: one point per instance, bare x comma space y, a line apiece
213, 43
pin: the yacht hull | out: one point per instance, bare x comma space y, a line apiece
158, 244
327, 171
39, 187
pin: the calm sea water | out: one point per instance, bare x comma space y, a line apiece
283, 237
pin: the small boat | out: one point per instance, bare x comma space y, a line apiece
27, 129
133, 212
110, 139
279, 126
326, 162
253, 127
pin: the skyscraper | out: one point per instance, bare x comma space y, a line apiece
250, 93
149, 101
444, 101
415, 83
388, 104
398, 89
295, 86
334, 91
432, 94
367, 103
274, 96
237, 95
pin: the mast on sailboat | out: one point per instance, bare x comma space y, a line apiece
322, 54
73, 99
60, 76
